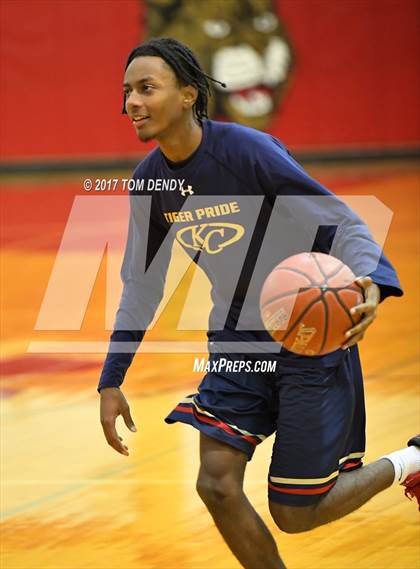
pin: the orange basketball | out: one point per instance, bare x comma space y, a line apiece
306, 300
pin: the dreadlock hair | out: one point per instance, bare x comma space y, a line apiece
185, 66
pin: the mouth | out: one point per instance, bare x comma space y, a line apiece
252, 102
139, 120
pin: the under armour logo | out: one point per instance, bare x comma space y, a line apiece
187, 190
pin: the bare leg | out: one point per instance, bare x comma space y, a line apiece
352, 490
220, 486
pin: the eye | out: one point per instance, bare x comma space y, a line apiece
216, 28
265, 23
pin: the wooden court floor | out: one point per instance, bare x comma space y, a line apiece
70, 502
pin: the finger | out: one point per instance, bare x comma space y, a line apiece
356, 339
128, 420
365, 307
117, 445
373, 294
112, 437
361, 326
364, 282
359, 309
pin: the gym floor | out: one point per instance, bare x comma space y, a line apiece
70, 502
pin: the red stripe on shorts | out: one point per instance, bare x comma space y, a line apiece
353, 464
214, 422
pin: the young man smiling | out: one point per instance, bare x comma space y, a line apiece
313, 404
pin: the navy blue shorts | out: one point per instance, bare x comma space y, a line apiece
317, 415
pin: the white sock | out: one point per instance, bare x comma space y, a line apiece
405, 462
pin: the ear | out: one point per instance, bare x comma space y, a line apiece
189, 95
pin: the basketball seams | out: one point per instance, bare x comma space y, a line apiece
321, 298
284, 295
326, 320
336, 271
293, 270
300, 316
348, 288
342, 304
318, 264
318, 297
288, 293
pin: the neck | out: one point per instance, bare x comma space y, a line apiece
181, 142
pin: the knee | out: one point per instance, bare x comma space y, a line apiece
217, 491
292, 519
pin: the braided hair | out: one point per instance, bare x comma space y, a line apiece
185, 66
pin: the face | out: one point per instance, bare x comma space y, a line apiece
154, 101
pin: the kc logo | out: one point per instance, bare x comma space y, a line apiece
210, 237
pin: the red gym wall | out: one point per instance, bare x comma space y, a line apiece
355, 81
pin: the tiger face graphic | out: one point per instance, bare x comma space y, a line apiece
239, 42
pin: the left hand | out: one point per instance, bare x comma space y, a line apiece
372, 296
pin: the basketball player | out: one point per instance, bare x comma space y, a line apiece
315, 405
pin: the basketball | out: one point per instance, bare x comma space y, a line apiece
305, 303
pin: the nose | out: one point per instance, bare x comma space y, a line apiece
133, 101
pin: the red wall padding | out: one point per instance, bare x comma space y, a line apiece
358, 73
355, 82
